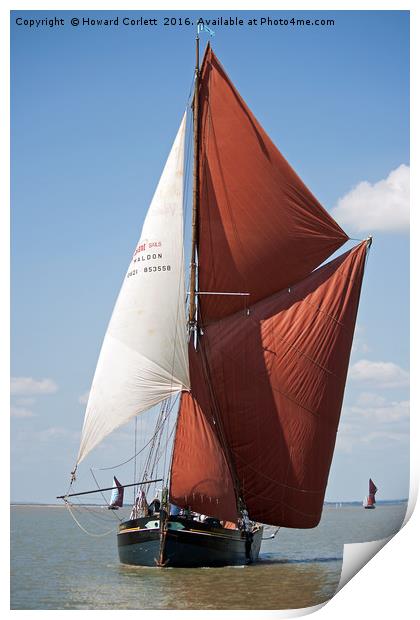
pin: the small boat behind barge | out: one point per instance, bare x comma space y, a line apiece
370, 501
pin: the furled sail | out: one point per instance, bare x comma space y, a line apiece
143, 359
271, 384
260, 228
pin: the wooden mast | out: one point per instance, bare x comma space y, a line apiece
196, 192
193, 265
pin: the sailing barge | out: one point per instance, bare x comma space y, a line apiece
370, 500
259, 357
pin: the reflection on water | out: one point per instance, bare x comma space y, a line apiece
56, 566
266, 585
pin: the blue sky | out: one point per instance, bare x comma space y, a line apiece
94, 113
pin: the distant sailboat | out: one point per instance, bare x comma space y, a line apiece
117, 496
369, 501
260, 362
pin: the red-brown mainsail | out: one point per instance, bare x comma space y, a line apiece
259, 424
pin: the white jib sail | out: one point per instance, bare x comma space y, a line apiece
144, 357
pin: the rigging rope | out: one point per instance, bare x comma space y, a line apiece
135, 458
271, 535
139, 452
84, 529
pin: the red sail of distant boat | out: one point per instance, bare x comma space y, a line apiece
258, 427
372, 490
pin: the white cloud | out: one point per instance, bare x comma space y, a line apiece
385, 436
348, 436
381, 206
21, 412
381, 411
55, 432
367, 399
373, 419
25, 401
382, 374
25, 437
83, 398
23, 391
359, 341
28, 386
357, 432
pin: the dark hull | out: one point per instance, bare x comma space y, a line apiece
185, 543
369, 507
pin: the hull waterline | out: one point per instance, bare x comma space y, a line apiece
183, 542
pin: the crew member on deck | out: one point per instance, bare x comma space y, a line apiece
154, 505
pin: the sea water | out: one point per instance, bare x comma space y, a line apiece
56, 565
